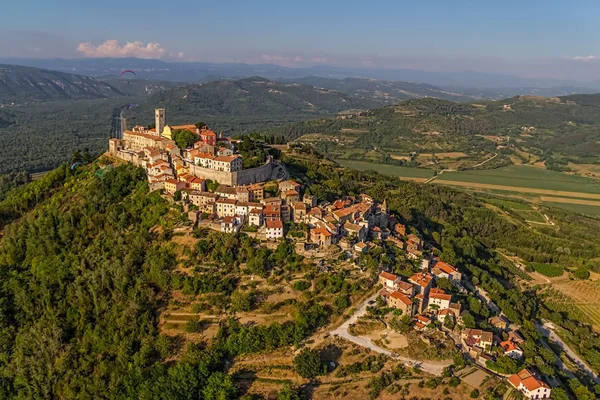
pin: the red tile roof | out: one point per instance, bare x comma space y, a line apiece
274, 224
388, 276
402, 297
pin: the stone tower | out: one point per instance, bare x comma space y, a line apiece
160, 120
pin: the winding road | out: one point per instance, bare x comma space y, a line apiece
547, 331
435, 368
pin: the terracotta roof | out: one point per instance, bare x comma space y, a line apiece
423, 319
352, 227
188, 127
402, 297
227, 158
208, 132
274, 224
441, 296
321, 231
421, 279
256, 211
144, 135
291, 193
404, 285
227, 220
361, 245
227, 201
525, 378
173, 181
509, 345
388, 276
205, 155
226, 189
447, 268
446, 311
419, 325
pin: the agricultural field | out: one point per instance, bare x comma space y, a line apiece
402, 172
536, 185
526, 177
583, 294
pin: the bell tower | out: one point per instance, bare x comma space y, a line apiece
160, 120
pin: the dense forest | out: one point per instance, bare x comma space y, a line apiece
38, 137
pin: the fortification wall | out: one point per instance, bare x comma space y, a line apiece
223, 177
243, 177
255, 175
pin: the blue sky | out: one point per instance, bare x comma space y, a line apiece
529, 38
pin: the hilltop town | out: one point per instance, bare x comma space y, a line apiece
215, 192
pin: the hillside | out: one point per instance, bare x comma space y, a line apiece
386, 92
234, 107
438, 133
20, 85
92, 266
252, 96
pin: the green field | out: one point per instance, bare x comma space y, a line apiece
406, 172
577, 208
526, 177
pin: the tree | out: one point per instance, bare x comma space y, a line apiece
200, 125
177, 195
184, 138
308, 363
288, 393
219, 387
241, 301
474, 394
444, 283
468, 321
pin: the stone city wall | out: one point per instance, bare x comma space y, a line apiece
243, 177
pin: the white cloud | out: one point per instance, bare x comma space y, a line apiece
586, 58
113, 49
176, 55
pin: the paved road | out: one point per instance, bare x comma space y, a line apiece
484, 296
435, 368
547, 331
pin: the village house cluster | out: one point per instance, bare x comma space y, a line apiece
418, 297
211, 156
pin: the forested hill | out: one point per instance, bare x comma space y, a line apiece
552, 130
253, 96
20, 84
387, 92
88, 261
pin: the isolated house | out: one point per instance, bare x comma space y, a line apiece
533, 388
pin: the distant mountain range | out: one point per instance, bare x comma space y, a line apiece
20, 84
202, 71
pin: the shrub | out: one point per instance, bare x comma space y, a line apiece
308, 363
581, 273
301, 285
474, 394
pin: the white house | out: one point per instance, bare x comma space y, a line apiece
274, 229
511, 349
439, 298
255, 217
529, 385
230, 225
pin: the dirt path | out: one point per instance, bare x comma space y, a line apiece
435, 368
483, 162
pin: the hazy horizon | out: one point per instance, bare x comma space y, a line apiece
549, 40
